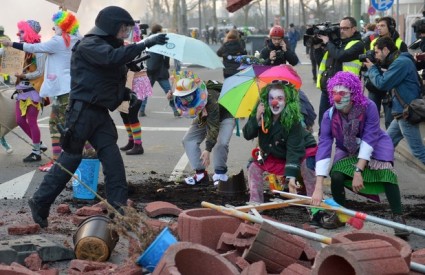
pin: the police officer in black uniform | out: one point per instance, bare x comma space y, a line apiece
98, 77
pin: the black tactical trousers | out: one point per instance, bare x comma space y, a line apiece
85, 122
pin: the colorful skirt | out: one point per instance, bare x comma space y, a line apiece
375, 174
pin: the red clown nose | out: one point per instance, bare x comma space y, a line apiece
275, 102
337, 98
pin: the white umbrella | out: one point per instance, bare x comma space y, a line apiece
188, 50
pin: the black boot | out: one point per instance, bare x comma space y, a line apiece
129, 145
136, 150
39, 214
401, 233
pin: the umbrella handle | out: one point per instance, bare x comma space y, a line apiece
265, 131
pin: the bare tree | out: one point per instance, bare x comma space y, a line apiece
246, 9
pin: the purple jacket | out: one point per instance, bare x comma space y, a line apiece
372, 141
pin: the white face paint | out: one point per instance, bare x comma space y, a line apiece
341, 96
276, 101
58, 31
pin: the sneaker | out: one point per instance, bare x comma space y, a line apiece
36, 212
6, 145
197, 179
33, 157
177, 114
316, 220
46, 167
219, 177
129, 145
136, 150
43, 147
401, 233
142, 114
332, 222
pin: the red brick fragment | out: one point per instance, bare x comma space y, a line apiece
86, 267
33, 262
89, 211
63, 209
257, 268
14, 269
158, 208
24, 229
296, 269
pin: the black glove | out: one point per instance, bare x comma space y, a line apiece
133, 99
159, 38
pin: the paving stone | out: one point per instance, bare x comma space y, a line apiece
296, 269
19, 249
276, 248
205, 226
362, 257
362, 235
158, 208
257, 268
193, 258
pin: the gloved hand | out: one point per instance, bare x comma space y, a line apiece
159, 38
133, 99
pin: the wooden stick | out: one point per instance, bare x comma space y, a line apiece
281, 226
269, 205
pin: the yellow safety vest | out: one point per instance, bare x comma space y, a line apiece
397, 43
350, 66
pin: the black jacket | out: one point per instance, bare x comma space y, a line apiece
281, 56
98, 71
228, 52
157, 67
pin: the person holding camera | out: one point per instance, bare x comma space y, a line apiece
386, 28
402, 77
98, 77
277, 51
340, 55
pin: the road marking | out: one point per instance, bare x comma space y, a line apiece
17, 187
179, 168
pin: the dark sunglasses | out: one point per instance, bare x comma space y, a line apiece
281, 82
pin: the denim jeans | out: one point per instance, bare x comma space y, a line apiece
194, 137
399, 129
377, 98
166, 86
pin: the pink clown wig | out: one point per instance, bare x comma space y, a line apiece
351, 82
30, 35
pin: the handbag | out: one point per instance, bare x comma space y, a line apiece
414, 112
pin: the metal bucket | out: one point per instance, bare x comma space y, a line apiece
95, 239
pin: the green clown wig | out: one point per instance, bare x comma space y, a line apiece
290, 115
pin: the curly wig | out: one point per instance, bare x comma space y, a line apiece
290, 115
350, 81
30, 29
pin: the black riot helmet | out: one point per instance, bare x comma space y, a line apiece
109, 21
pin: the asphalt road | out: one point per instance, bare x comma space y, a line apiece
164, 155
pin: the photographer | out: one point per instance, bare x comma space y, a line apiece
277, 50
386, 28
420, 57
401, 75
340, 55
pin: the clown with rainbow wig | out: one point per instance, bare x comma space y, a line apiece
364, 154
57, 78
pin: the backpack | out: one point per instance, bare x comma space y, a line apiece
307, 110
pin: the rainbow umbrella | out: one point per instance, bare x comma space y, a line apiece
240, 92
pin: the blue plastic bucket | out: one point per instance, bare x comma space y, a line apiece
87, 172
154, 252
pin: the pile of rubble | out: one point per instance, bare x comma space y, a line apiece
211, 242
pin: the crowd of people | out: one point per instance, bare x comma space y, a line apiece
85, 77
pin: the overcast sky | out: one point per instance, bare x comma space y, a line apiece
13, 11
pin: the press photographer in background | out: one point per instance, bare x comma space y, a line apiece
343, 45
316, 50
401, 77
277, 50
419, 46
386, 27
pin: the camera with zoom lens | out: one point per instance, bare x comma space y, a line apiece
327, 28
369, 55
